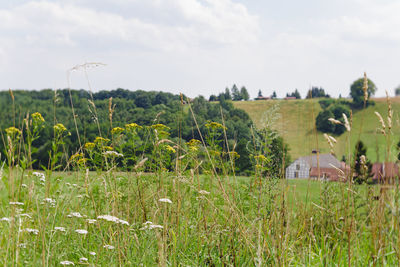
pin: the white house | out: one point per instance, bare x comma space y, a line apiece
315, 166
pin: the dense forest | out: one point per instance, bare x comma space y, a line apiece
98, 113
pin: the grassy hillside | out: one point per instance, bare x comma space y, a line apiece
295, 120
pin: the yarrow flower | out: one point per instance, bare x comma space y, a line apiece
75, 214
92, 253
40, 175
30, 230
59, 228
51, 201
111, 218
91, 221
165, 200
5, 219
67, 263
108, 247
149, 225
204, 192
16, 203
83, 259
81, 231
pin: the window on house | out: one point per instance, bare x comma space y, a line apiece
297, 166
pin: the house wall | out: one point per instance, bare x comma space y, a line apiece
301, 167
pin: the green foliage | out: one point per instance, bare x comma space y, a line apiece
236, 95
295, 94
139, 107
357, 92
325, 103
334, 111
316, 92
244, 94
323, 124
362, 166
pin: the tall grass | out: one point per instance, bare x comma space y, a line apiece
197, 213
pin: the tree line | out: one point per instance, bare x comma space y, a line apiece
96, 114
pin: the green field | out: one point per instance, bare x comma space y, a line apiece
121, 219
296, 120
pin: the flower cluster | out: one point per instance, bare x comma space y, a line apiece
117, 130
13, 132
37, 117
59, 128
215, 125
111, 218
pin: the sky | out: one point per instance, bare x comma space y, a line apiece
200, 47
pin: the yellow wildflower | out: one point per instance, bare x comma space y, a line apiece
160, 126
117, 130
132, 126
89, 146
215, 125
101, 140
76, 156
59, 128
170, 149
260, 157
12, 131
37, 117
108, 148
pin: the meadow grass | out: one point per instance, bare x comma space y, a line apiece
296, 124
181, 204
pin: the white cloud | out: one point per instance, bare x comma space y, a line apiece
219, 22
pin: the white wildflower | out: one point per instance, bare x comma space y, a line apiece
16, 203
30, 230
83, 259
149, 225
5, 219
204, 192
75, 214
22, 245
108, 247
113, 153
81, 231
67, 263
165, 200
50, 201
156, 226
59, 228
123, 222
92, 253
24, 185
91, 221
111, 218
40, 175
